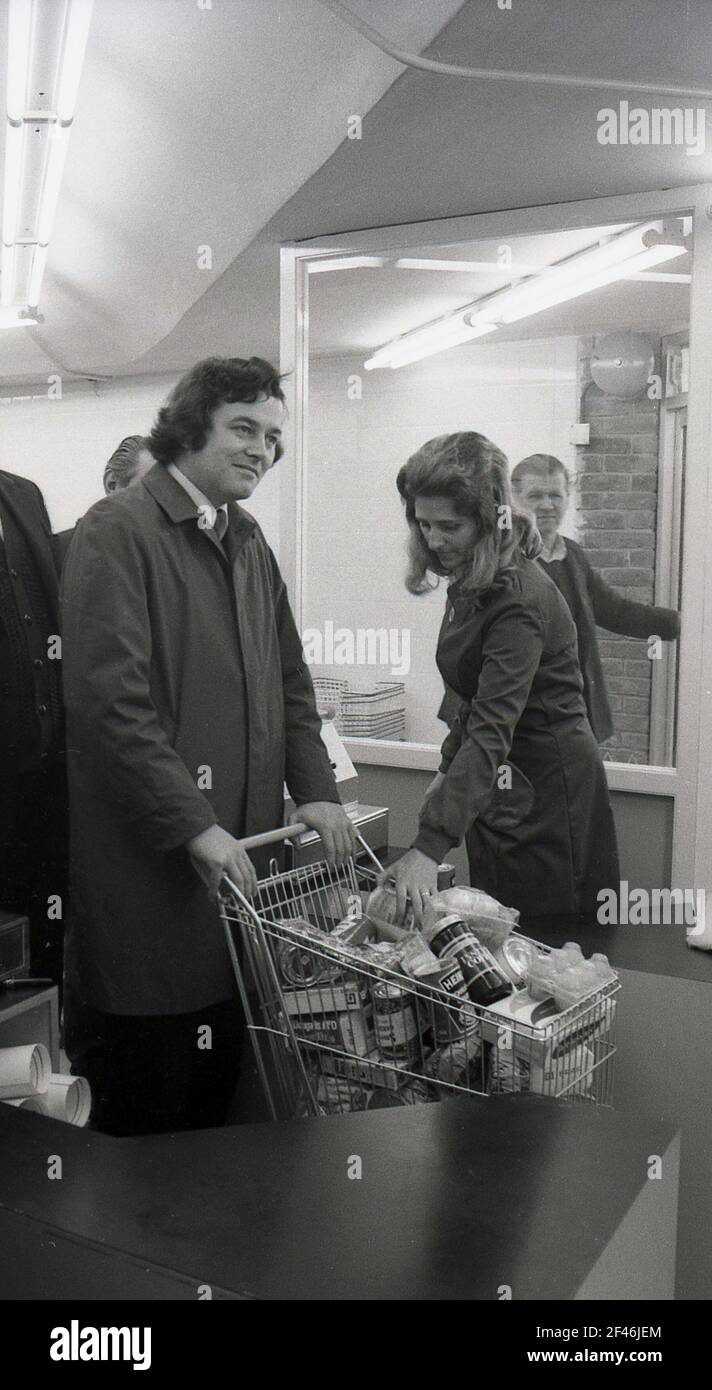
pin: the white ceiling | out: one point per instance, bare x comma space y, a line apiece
227, 126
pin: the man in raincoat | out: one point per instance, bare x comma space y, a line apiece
188, 706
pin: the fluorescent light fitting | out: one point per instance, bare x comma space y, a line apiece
14, 140
425, 342
525, 300
19, 43
347, 263
562, 281
54, 168
660, 277
7, 276
75, 42
466, 267
34, 284
16, 318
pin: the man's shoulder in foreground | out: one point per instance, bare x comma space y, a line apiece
17, 486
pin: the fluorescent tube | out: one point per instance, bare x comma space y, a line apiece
14, 137
525, 300
34, 284
54, 168
19, 41
7, 276
75, 42
425, 342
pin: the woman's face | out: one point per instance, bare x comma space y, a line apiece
450, 536
546, 499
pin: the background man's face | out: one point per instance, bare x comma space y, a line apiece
238, 451
546, 499
143, 464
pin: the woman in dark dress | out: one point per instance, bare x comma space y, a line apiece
521, 777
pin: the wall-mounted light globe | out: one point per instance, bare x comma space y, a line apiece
622, 363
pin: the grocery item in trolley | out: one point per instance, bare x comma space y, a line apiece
489, 920
566, 977
450, 939
445, 1007
395, 1022
515, 957
301, 966
459, 1063
382, 908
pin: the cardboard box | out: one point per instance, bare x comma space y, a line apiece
371, 1070
327, 998
508, 1024
351, 1030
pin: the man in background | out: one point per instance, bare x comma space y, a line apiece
189, 704
127, 465
540, 484
33, 793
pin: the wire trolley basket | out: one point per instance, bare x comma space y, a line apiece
336, 1026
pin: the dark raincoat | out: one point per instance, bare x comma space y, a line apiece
188, 702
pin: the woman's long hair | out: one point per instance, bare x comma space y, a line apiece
473, 474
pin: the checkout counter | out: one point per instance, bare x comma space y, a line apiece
475, 1198
456, 1200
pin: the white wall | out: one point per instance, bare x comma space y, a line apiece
63, 444
521, 395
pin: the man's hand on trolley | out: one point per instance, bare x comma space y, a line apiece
215, 853
331, 822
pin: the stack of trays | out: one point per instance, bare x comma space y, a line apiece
373, 711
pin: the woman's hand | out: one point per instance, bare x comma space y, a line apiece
414, 876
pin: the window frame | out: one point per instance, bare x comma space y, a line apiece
689, 782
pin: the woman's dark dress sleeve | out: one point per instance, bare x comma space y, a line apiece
480, 740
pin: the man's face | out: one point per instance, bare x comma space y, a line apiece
238, 451
546, 499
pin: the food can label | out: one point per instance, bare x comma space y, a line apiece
394, 1029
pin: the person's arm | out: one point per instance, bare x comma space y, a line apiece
623, 615
113, 722
511, 654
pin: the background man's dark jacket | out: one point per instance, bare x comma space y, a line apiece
188, 702
594, 603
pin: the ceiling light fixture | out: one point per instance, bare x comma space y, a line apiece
25, 38
613, 259
426, 341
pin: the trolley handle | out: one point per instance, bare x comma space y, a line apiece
290, 832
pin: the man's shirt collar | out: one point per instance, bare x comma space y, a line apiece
205, 508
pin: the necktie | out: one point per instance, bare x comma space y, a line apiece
220, 524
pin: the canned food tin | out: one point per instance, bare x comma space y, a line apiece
451, 1015
515, 958
395, 1023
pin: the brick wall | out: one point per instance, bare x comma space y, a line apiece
617, 480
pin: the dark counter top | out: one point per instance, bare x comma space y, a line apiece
455, 1200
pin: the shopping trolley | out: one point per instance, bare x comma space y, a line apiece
337, 1025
